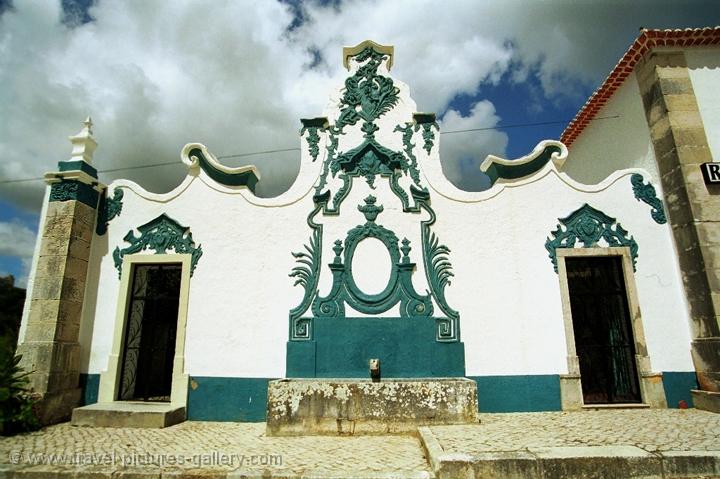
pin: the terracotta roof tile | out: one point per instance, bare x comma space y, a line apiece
647, 40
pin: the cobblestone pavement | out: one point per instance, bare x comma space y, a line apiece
244, 448
215, 445
649, 429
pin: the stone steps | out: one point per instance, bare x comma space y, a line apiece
129, 414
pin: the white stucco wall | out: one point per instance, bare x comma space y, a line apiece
704, 66
504, 286
612, 144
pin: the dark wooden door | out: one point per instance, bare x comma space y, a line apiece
150, 332
603, 332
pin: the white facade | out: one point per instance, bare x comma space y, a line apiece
704, 67
622, 119
505, 289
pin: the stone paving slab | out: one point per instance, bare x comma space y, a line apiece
587, 444
649, 429
652, 443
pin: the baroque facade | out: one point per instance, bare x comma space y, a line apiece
566, 284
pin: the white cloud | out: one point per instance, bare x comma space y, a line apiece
462, 153
154, 76
17, 240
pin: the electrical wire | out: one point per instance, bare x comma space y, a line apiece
240, 155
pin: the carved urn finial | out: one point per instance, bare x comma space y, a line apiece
83, 143
370, 210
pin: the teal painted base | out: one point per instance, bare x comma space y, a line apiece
227, 399
406, 348
677, 387
245, 399
90, 385
518, 393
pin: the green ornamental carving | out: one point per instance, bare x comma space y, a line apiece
588, 226
114, 204
73, 190
368, 95
438, 271
108, 209
161, 234
427, 122
369, 160
399, 288
312, 126
313, 139
407, 134
647, 194
331, 149
307, 274
65, 190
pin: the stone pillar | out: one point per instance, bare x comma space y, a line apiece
50, 349
680, 144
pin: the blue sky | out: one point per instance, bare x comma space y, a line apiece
237, 76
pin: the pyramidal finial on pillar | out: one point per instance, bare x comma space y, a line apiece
83, 143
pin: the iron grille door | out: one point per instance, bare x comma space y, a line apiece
603, 332
150, 332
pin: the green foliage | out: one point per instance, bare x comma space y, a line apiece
16, 402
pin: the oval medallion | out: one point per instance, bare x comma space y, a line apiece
371, 266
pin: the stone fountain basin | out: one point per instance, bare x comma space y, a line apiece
320, 406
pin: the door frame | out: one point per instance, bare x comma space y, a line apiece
110, 379
652, 392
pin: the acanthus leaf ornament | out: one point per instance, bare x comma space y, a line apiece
647, 194
108, 208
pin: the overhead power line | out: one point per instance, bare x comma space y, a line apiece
282, 150
520, 125
257, 153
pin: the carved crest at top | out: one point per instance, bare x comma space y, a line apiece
368, 94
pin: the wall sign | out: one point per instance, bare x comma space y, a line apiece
711, 173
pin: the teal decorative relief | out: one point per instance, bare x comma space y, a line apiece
368, 95
243, 178
369, 160
324, 339
307, 274
67, 190
312, 126
647, 194
399, 288
161, 234
497, 168
438, 271
588, 226
108, 209
427, 122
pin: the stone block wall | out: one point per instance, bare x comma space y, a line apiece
681, 146
50, 349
